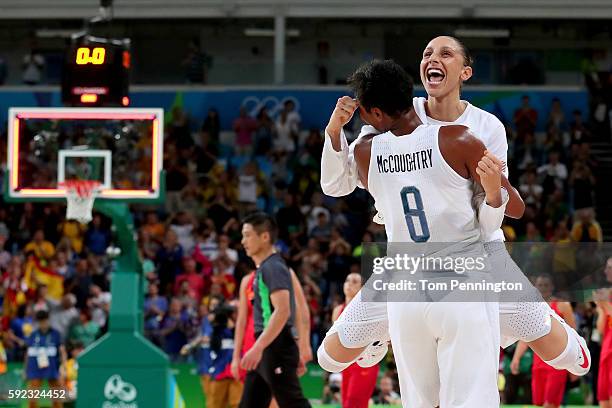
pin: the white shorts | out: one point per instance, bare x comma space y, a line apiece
446, 354
363, 323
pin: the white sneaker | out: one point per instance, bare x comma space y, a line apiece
583, 363
373, 354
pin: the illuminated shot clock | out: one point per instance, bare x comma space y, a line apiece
96, 72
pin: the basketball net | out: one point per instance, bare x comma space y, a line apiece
80, 196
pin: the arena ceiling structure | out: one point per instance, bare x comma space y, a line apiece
481, 9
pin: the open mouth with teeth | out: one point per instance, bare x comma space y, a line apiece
435, 76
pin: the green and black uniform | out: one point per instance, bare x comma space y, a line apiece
276, 374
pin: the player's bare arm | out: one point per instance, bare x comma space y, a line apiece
302, 322
363, 152
240, 327
468, 157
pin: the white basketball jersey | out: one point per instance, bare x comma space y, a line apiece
483, 125
422, 197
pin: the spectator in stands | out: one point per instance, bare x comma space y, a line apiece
527, 153
387, 394
556, 207
44, 356
293, 116
155, 307
532, 233
244, 126
73, 231
155, 229
556, 117
286, 133
169, 259
322, 231
64, 315
311, 255
71, 371
265, 132
313, 210
183, 225
173, 330
193, 277
586, 228
582, 183
531, 191
554, 141
248, 185
212, 126
331, 391
366, 247
196, 63
338, 267
80, 283
99, 305
206, 153
85, 331
5, 256
3, 356
40, 247
97, 238
61, 264
221, 210
554, 173
225, 258
579, 132
41, 299
525, 118
289, 218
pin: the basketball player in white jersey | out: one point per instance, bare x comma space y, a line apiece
445, 65
435, 343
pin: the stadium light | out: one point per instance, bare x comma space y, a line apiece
482, 33
268, 32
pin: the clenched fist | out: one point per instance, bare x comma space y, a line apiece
490, 170
342, 114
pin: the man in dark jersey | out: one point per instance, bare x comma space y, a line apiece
273, 360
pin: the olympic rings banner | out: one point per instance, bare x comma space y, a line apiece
314, 104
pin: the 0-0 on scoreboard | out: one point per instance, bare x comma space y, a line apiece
96, 72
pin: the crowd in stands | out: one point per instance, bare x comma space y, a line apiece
190, 247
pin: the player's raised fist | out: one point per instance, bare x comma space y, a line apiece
490, 170
342, 114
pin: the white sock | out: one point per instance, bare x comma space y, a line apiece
569, 356
328, 363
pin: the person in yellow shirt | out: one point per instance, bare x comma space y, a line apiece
39, 246
3, 366
71, 369
586, 228
74, 232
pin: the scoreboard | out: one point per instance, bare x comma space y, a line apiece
96, 72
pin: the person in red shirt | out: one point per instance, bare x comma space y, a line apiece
191, 275
547, 383
603, 300
525, 119
358, 383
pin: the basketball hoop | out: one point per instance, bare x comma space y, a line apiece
80, 195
